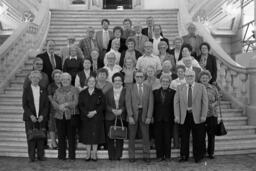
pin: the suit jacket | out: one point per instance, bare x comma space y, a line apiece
199, 103
86, 46
110, 104
29, 106
196, 49
172, 52
132, 102
64, 53
123, 46
144, 31
99, 38
140, 42
211, 66
47, 66
163, 108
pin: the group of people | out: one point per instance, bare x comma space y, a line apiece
130, 76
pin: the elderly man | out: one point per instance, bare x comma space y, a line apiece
157, 38
139, 38
193, 39
50, 60
103, 37
88, 43
139, 106
149, 59
65, 53
188, 63
148, 31
190, 110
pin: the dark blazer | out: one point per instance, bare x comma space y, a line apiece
29, 107
172, 52
211, 65
122, 45
47, 66
121, 62
163, 108
110, 104
144, 31
83, 79
86, 47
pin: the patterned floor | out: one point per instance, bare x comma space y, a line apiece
221, 163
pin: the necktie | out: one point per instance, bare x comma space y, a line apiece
140, 94
150, 32
53, 61
138, 42
190, 96
92, 44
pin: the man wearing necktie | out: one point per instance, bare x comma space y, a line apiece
139, 106
190, 110
139, 38
50, 60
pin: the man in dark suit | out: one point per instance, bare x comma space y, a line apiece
163, 118
35, 104
157, 38
51, 61
139, 106
190, 110
148, 31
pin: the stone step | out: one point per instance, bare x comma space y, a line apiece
102, 154
11, 95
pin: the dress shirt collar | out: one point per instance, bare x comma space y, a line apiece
73, 57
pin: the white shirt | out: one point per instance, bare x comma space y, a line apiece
73, 57
175, 83
176, 54
138, 87
117, 54
111, 72
155, 45
145, 61
117, 94
194, 63
36, 96
192, 87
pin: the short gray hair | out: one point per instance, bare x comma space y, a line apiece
35, 73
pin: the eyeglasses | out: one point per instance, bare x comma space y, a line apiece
39, 64
118, 80
189, 75
139, 76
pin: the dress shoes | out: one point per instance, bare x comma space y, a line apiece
183, 159
147, 160
41, 159
31, 160
211, 157
132, 160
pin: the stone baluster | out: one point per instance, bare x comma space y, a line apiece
228, 86
243, 87
235, 83
222, 75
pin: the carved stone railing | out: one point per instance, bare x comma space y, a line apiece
237, 83
26, 41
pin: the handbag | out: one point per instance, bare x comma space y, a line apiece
117, 132
220, 129
36, 133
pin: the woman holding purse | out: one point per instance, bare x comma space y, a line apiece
91, 105
212, 116
36, 105
115, 110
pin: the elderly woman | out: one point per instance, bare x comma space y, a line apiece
186, 51
208, 61
212, 116
82, 76
37, 66
102, 82
174, 84
128, 32
163, 54
111, 66
163, 118
115, 109
151, 80
115, 44
73, 64
130, 52
118, 32
128, 71
96, 62
51, 90
167, 70
176, 51
91, 105
35, 105
65, 100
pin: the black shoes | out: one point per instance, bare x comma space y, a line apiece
211, 157
147, 160
183, 159
132, 160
